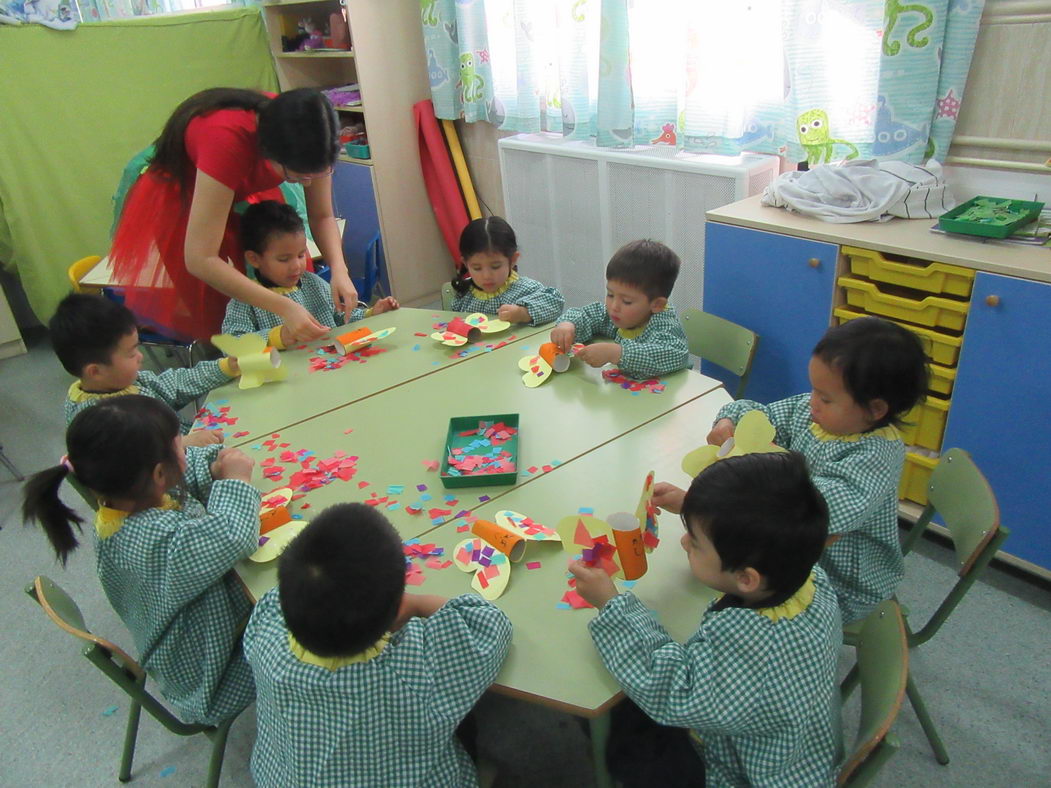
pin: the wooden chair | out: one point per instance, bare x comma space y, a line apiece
448, 295
883, 666
961, 495
79, 270
721, 342
127, 674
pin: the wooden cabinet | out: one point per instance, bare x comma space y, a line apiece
384, 193
758, 273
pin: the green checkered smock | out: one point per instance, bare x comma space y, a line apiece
313, 293
659, 349
385, 722
544, 303
858, 475
760, 693
174, 387
168, 575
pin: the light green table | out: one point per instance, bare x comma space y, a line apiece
305, 394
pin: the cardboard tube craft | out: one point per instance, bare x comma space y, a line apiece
259, 363
459, 330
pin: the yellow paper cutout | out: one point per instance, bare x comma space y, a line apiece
530, 531
646, 514
492, 571
276, 541
259, 364
754, 434
548, 359
459, 329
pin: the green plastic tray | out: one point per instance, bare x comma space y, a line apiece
454, 440
1004, 216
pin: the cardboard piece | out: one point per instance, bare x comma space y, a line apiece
627, 536
510, 543
359, 338
259, 364
459, 329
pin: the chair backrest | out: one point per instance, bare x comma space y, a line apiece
883, 666
721, 342
367, 282
448, 294
79, 270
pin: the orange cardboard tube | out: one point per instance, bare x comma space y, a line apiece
347, 338
273, 518
628, 537
553, 355
507, 542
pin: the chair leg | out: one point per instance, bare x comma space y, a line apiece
599, 728
215, 764
10, 465
918, 706
131, 733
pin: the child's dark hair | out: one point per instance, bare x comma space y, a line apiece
86, 329
877, 359
342, 580
492, 234
264, 219
113, 448
647, 265
298, 129
761, 511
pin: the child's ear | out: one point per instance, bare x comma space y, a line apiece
748, 580
877, 409
514, 258
253, 258
658, 304
159, 475
91, 371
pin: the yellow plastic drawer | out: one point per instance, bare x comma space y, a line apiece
925, 424
915, 477
937, 278
932, 311
941, 348
942, 379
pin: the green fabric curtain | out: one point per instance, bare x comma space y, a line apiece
79, 104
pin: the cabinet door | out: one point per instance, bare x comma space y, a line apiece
1000, 402
779, 287
354, 199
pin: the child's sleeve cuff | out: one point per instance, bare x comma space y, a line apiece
274, 338
227, 368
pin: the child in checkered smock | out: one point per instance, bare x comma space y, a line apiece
275, 245
866, 375
97, 341
645, 337
358, 682
756, 682
164, 560
488, 280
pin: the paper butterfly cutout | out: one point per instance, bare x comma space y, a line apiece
754, 434
259, 364
459, 329
275, 541
548, 359
361, 337
273, 512
495, 546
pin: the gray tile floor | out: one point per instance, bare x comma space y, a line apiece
986, 677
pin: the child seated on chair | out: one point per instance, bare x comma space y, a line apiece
646, 340
360, 683
756, 682
171, 525
866, 375
275, 245
488, 280
97, 341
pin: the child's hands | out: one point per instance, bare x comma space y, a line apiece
563, 335
235, 368
202, 438
418, 605
721, 432
344, 294
388, 304
593, 583
233, 464
668, 497
600, 354
513, 313
287, 340
302, 326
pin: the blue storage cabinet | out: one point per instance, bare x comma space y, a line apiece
778, 286
354, 199
1000, 403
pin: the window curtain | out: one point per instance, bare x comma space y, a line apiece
815, 80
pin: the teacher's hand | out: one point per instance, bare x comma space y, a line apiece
344, 295
301, 324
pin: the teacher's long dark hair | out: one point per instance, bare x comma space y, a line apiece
297, 128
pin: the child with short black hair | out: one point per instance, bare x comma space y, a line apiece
275, 245
866, 374
488, 280
97, 341
170, 527
360, 683
646, 339
756, 682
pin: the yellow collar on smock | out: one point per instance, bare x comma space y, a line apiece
108, 521
335, 663
890, 432
77, 394
793, 606
481, 295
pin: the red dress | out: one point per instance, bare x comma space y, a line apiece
147, 255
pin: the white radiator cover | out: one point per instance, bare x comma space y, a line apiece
572, 205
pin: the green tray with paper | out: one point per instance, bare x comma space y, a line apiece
481, 451
990, 217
